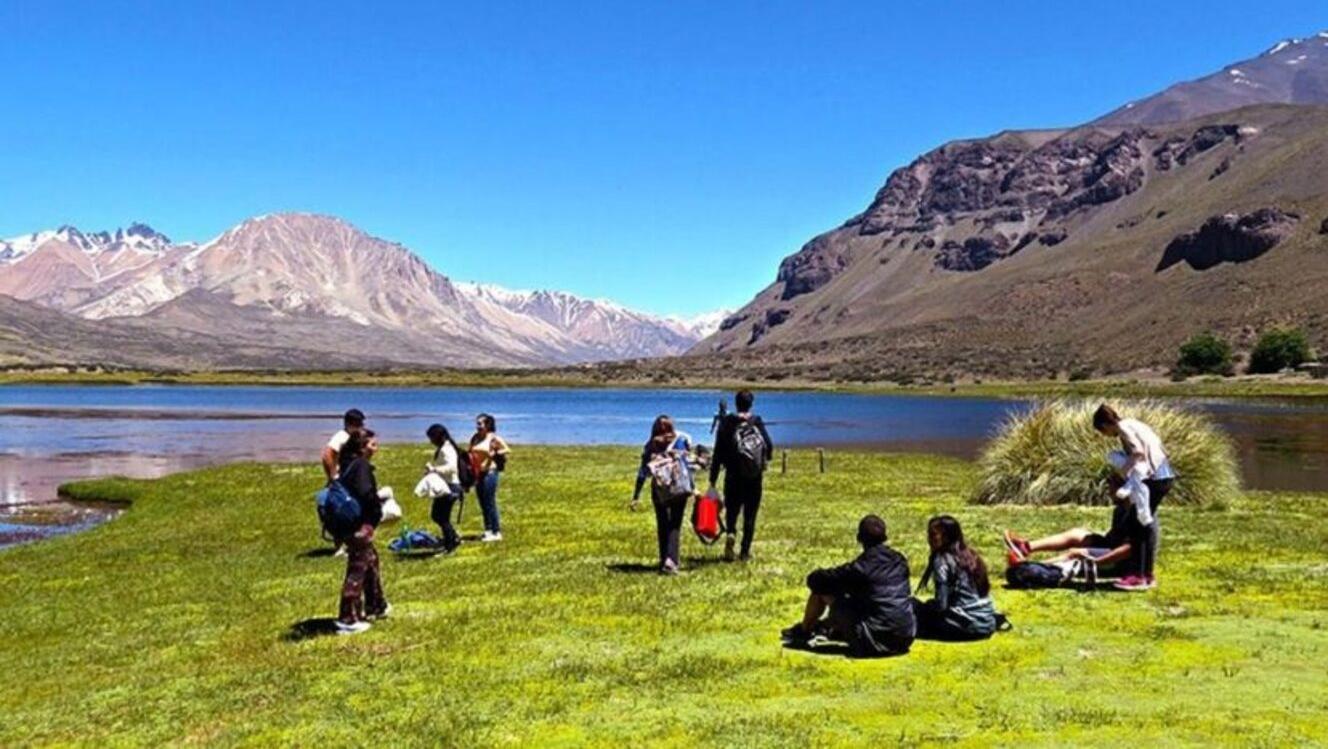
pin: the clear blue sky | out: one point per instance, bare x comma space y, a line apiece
665, 154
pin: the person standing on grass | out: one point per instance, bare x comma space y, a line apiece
334, 461
445, 465
362, 590
961, 608
666, 452
1144, 477
334, 458
489, 454
743, 450
867, 600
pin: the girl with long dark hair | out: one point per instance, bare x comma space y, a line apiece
445, 465
962, 607
669, 510
489, 453
362, 590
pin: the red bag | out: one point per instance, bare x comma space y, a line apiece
705, 517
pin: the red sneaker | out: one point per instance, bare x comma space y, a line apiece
1018, 547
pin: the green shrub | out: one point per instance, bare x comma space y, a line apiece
1279, 349
1205, 353
1052, 455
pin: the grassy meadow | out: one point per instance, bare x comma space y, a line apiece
174, 623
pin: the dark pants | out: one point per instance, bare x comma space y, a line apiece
1144, 538
742, 496
486, 489
669, 515
932, 625
442, 514
362, 590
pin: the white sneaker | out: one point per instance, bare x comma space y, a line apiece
340, 552
387, 611
354, 628
490, 537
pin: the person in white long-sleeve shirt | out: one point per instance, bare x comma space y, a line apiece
1144, 477
444, 467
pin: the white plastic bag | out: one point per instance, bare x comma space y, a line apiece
1134, 487
432, 485
391, 510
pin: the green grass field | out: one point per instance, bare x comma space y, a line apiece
171, 624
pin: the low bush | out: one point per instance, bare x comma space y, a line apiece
1205, 353
1278, 349
1051, 455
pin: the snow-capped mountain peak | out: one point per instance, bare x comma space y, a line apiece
288, 278
137, 236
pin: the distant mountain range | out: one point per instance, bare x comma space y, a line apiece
1090, 249
297, 290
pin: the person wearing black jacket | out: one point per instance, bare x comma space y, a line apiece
867, 599
742, 479
362, 590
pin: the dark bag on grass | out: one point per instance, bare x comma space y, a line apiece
337, 510
750, 453
1034, 575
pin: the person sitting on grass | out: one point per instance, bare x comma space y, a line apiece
867, 600
362, 590
665, 441
1143, 478
961, 608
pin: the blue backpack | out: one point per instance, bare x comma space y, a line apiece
337, 510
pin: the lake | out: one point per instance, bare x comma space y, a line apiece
52, 434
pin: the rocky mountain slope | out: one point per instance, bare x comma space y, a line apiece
1293, 71
1043, 252
303, 287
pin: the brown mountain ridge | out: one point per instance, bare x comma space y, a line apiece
1037, 253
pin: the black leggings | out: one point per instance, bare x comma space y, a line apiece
442, 515
668, 526
742, 496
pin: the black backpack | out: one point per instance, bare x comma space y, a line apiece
749, 449
1034, 575
465, 470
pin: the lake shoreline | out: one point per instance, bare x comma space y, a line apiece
1240, 387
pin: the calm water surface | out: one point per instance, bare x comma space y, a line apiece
52, 434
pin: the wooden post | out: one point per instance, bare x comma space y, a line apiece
820, 453
783, 462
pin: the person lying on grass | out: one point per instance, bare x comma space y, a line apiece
362, 590
1111, 551
962, 607
867, 600
1144, 478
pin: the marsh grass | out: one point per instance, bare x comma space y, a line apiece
172, 625
1050, 454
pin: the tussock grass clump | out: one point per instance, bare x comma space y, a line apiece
1051, 455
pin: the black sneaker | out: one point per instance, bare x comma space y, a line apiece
796, 635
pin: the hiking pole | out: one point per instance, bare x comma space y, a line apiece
461, 507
